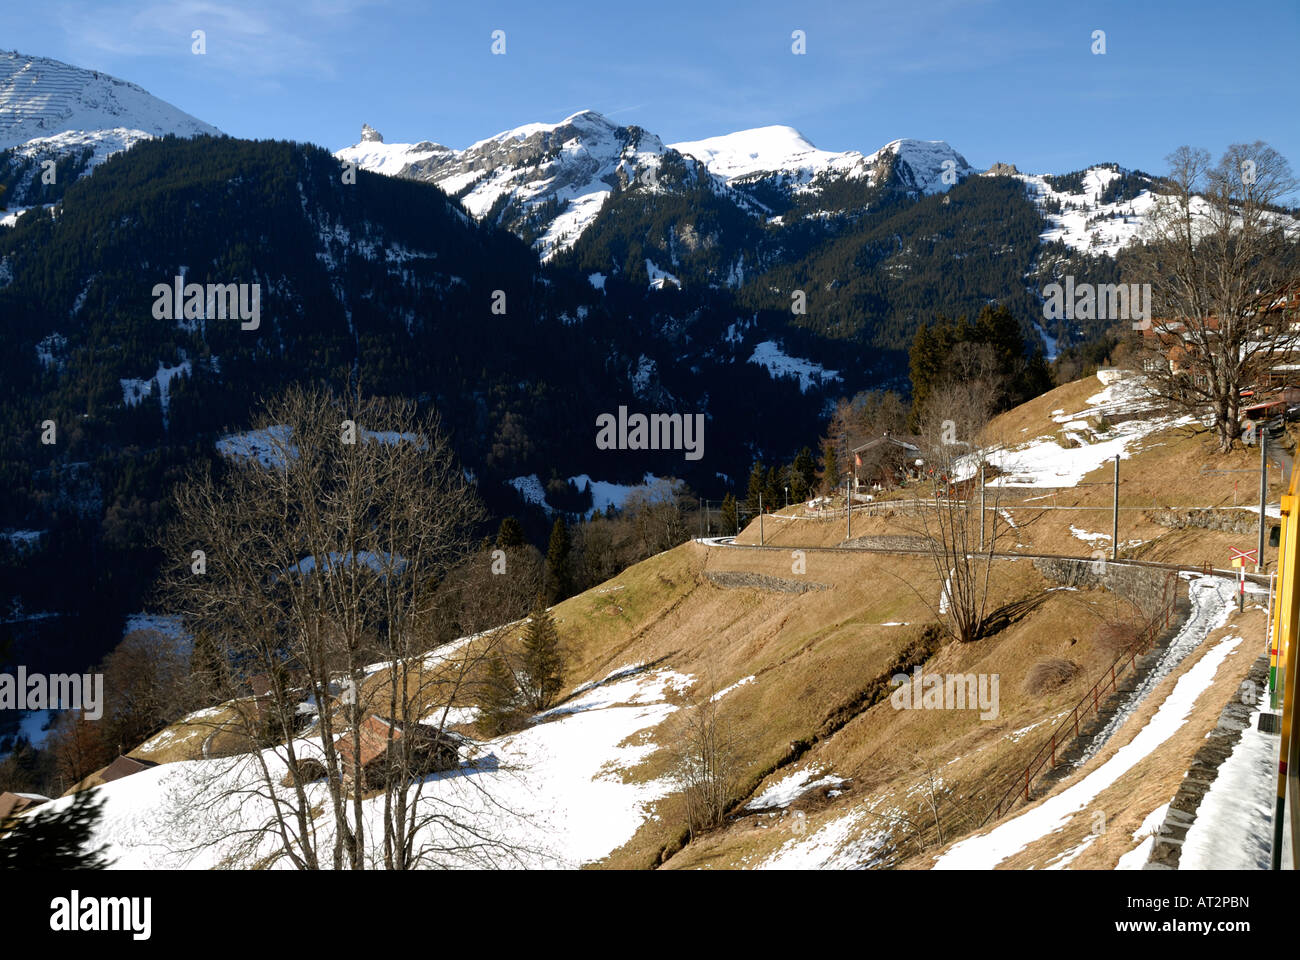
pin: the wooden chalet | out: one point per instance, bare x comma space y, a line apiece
13, 804
418, 747
888, 461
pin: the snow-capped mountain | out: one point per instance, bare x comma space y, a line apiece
548, 181
389, 158
776, 151
41, 98
921, 166
544, 181
783, 155
50, 110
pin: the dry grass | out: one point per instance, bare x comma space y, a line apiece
1122, 807
888, 754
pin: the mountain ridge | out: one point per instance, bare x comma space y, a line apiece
548, 182
78, 118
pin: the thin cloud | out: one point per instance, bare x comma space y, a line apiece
240, 38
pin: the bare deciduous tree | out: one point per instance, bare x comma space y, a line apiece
659, 515
947, 511
1215, 250
707, 762
309, 568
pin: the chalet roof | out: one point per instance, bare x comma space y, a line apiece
374, 734
12, 804
1281, 298
373, 731
905, 440
124, 767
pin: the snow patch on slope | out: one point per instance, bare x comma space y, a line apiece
1117, 223
769, 355
556, 792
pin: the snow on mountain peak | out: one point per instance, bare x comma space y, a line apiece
776, 149
372, 153
42, 98
784, 152
571, 165
921, 165
587, 123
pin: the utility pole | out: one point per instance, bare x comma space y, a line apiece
1114, 516
760, 520
848, 510
1263, 495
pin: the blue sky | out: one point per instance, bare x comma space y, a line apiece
1010, 81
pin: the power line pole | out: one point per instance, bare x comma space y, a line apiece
848, 510
981, 506
1263, 495
1114, 516
760, 520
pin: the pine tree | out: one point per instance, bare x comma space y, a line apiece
510, 534
54, 841
542, 663
727, 516
925, 361
498, 700
830, 467
559, 579
803, 475
1022, 374
757, 477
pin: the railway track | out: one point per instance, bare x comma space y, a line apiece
1204, 570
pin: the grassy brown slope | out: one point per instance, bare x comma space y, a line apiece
1121, 808
809, 653
888, 753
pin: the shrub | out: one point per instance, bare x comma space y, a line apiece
1116, 637
707, 765
1050, 674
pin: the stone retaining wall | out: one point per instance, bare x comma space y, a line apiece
888, 542
1229, 521
1143, 585
737, 579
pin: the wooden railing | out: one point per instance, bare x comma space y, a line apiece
1067, 730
